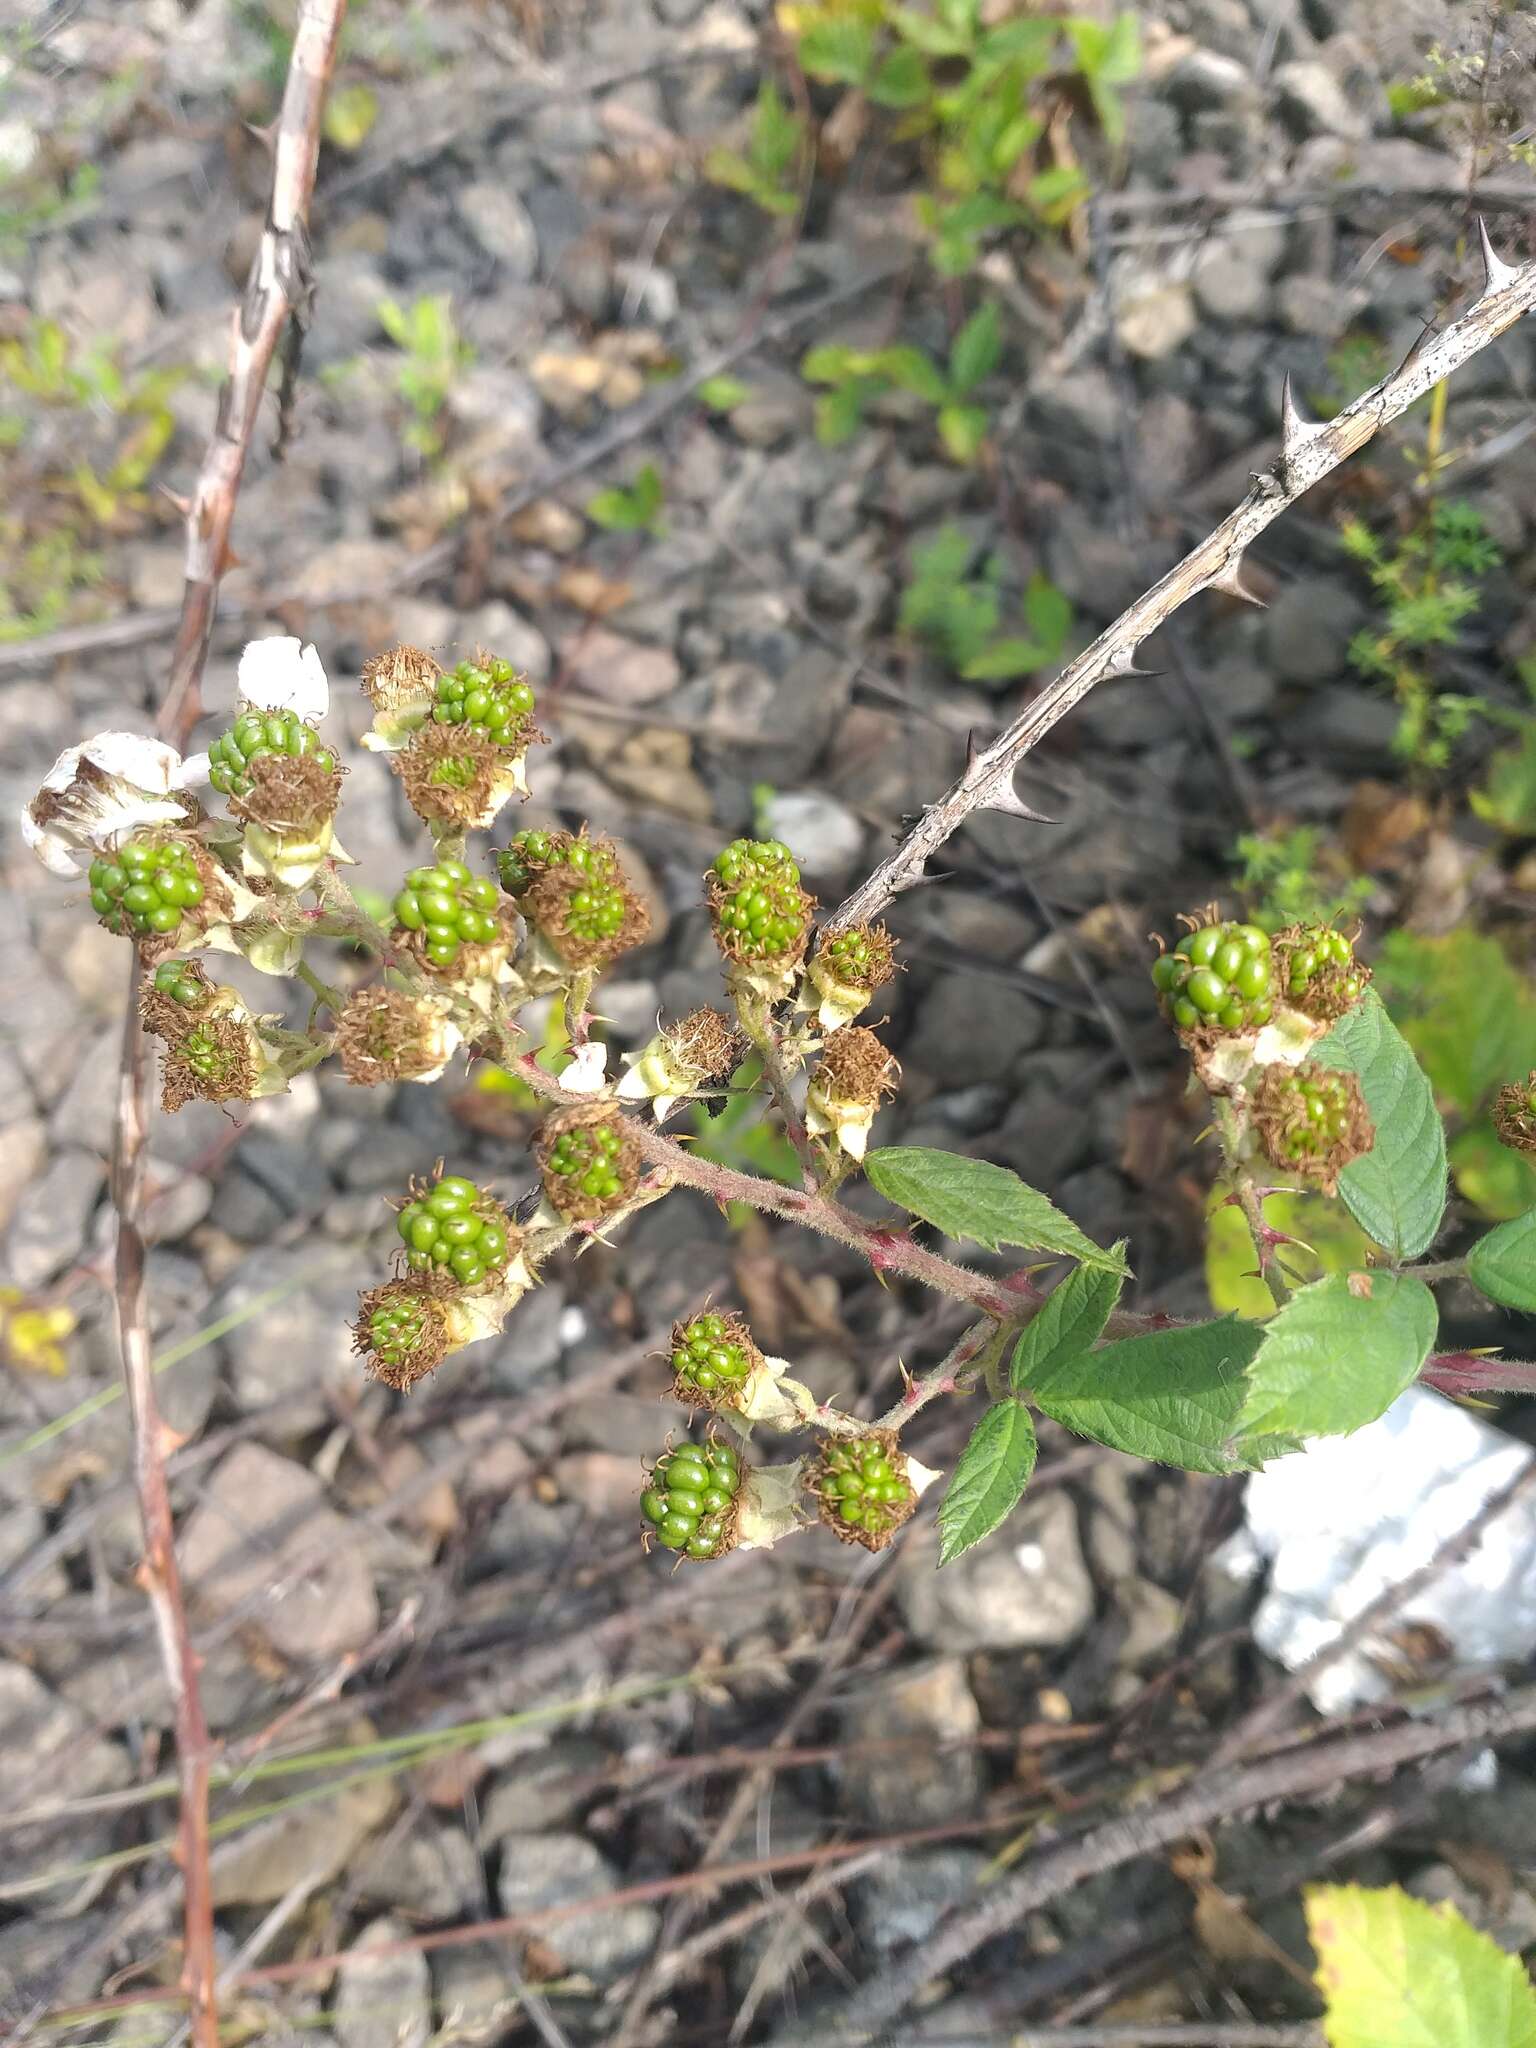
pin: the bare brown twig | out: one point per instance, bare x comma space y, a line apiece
1309, 451
278, 289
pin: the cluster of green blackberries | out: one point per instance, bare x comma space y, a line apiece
1219, 976
1321, 1106
588, 1157
254, 734
450, 907
146, 887
533, 853
1514, 1115
856, 957
711, 1356
863, 1488
452, 1227
178, 980
1317, 959
491, 699
690, 1499
395, 1330
760, 910
1311, 1120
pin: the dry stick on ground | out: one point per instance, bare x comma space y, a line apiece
1309, 451
1267, 1716
1215, 1796
279, 285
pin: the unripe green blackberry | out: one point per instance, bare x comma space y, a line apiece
590, 1162
488, 696
759, 909
256, 735
180, 981
691, 1500
402, 1328
147, 887
860, 956
215, 1059
1217, 978
384, 1035
1311, 1120
450, 1227
1514, 1115
534, 852
1316, 971
584, 906
712, 1358
863, 1489
445, 908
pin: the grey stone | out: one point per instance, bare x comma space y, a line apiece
50, 1963
823, 834
926, 1705
1316, 306
1081, 405
1308, 628
1311, 101
315, 1840
1351, 727
1231, 281
293, 1350
1153, 318
476, 1988
1099, 571
434, 1874
543, 1788
1205, 81
777, 725
560, 1870
50, 1229
530, 1343
501, 224
383, 2001
904, 1898
621, 671
85, 1113
264, 1542
48, 1746
1025, 1588
972, 1030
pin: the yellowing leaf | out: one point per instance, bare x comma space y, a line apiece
350, 114
1396, 1973
32, 1337
1337, 1245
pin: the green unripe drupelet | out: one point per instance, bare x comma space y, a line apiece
1218, 977
255, 733
174, 978
490, 698
588, 1158
533, 853
451, 1227
1316, 971
1312, 1120
449, 907
863, 1488
711, 1358
590, 1162
395, 1332
760, 910
690, 1498
146, 887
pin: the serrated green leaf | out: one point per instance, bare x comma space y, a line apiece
972, 1198
1470, 1018
992, 1472
924, 32
1069, 1322
1502, 1265
1499, 1183
976, 350
1397, 1973
839, 49
1173, 1395
900, 80
962, 429
1006, 658
839, 414
1396, 1192
1338, 1354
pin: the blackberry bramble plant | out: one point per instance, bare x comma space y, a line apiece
1306, 1080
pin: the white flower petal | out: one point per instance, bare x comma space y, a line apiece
281, 673
192, 771
584, 1075
95, 794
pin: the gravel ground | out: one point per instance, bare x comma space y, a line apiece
361, 1566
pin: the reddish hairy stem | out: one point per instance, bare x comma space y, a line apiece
279, 284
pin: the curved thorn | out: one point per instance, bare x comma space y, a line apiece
1230, 580
1294, 429
1497, 274
1012, 805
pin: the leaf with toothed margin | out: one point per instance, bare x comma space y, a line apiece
992, 1472
972, 1198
